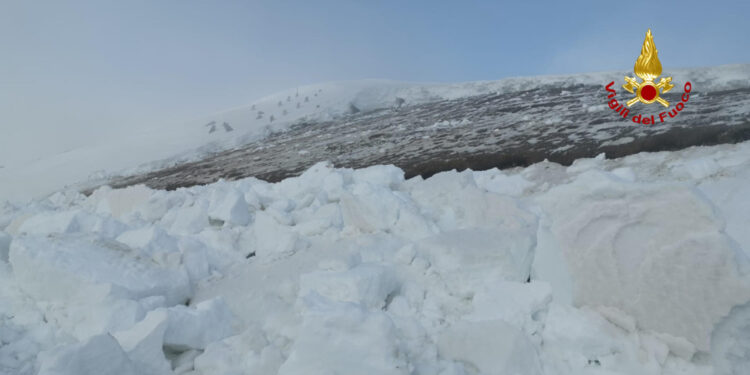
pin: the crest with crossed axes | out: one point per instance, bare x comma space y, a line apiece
648, 67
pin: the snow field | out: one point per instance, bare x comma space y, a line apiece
635, 265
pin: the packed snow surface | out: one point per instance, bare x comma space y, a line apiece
636, 265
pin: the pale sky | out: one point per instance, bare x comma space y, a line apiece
72, 72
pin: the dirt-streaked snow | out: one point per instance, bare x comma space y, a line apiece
537, 115
636, 265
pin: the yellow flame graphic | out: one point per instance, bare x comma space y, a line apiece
648, 66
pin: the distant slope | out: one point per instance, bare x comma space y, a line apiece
479, 125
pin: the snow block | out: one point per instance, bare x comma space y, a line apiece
88, 268
494, 347
229, 207
189, 220
366, 284
730, 343
505, 254
5, 240
573, 337
343, 338
699, 168
119, 202
657, 252
519, 304
96, 356
454, 201
370, 208
388, 176
274, 241
74, 221
195, 328
143, 344
311, 181
194, 258
239, 354
496, 181
53, 222
154, 242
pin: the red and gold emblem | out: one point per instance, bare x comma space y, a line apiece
648, 68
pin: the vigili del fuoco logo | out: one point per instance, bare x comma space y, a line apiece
648, 68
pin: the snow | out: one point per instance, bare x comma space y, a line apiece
4, 246
195, 328
491, 347
636, 265
625, 249
330, 341
90, 268
97, 355
153, 242
144, 341
368, 284
229, 207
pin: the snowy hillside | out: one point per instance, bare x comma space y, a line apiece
480, 126
636, 265
331, 105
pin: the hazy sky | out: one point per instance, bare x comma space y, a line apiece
69, 68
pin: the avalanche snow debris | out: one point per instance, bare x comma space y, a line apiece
144, 343
98, 355
119, 202
5, 239
195, 328
365, 284
491, 347
153, 242
634, 265
656, 251
81, 267
229, 207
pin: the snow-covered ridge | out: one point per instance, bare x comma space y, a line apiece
325, 101
560, 122
636, 265
157, 147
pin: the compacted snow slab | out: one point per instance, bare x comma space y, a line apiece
5, 240
58, 268
97, 355
656, 251
493, 347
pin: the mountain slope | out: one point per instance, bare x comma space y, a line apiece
508, 123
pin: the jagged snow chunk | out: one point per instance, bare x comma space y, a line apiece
119, 202
195, 328
56, 222
493, 347
367, 284
520, 304
344, 338
98, 355
5, 240
656, 252
229, 207
274, 240
505, 254
154, 242
61, 269
144, 344
387, 176
72, 221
